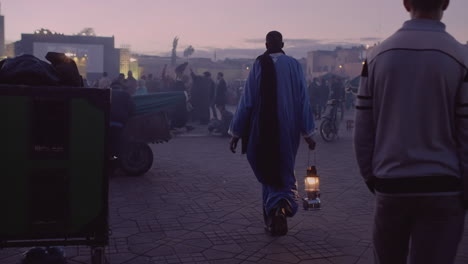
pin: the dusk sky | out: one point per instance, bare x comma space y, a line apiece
234, 28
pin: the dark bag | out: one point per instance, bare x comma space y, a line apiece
29, 70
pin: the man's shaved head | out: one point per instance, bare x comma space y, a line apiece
274, 40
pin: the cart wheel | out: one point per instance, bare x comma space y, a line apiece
136, 158
97, 255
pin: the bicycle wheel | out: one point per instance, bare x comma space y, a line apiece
327, 130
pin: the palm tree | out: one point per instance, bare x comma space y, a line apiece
175, 42
188, 52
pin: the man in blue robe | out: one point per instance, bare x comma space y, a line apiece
273, 113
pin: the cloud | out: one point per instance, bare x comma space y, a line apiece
229, 53
254, 41
297, 48
371, 39
288, 41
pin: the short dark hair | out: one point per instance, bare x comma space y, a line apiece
221, 74
427, 5
104, 74
274, 39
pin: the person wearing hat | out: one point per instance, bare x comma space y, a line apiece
273, 113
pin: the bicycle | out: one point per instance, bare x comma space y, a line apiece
330, 124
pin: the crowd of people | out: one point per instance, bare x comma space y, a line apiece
206, 98
321, 90
205, 102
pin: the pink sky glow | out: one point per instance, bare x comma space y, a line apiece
150, 25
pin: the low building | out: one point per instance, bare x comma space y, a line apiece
2, 36
92, 54
346, 62
10, 50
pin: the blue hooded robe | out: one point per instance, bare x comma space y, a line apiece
295, 119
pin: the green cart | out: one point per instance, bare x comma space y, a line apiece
54, 167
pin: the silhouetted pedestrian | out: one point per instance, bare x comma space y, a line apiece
273, 113
221, 91
131, 83
201, 98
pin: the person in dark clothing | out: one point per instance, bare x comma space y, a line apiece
314, 90
167, 82
179, 116
323, 95
211, 87
221, 126
119, 83
132, 83
337, 89
221, 90
122, 108
338, 93
201, 98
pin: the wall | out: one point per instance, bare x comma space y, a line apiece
2, 36
109, 55
344, 62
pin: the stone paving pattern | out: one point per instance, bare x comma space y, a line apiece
202, 204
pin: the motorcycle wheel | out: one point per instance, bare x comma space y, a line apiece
136, 158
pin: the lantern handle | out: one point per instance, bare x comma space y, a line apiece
315, 158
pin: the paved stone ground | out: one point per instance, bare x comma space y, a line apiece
201, 204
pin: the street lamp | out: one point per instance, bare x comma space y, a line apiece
312, 188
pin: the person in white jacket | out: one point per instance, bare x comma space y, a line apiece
411, 138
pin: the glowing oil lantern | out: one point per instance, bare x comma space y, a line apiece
312, 188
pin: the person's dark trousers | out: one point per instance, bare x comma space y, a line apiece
314, 110
204, 115
323, 107
319, 110
342, 106
116, 139
213, 110
427, 228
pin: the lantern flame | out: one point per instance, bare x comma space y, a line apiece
312, 183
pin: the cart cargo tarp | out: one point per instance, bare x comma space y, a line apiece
157, 102
150, 122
